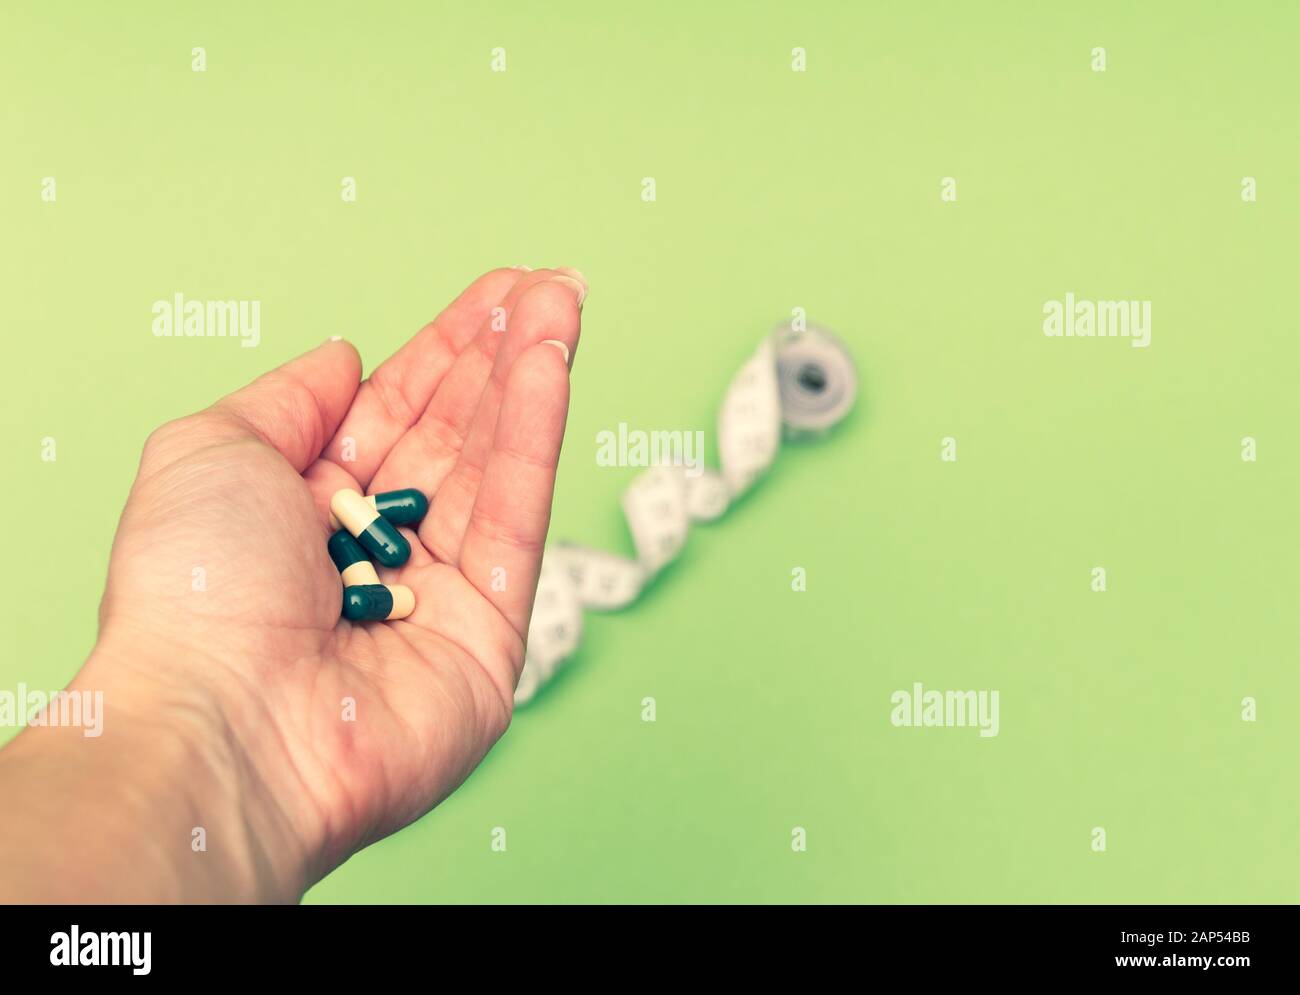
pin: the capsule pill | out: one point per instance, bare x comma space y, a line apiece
354, 567
378, 536
405, 507
377, 602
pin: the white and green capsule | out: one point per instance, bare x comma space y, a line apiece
354, 566
377, 602
377, 535
405, 507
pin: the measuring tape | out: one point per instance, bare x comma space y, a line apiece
798, 383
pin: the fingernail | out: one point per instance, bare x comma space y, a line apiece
336, 338
578, 286
526, 269
564, 349
577, 275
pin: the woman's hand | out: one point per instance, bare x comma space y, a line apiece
292, 737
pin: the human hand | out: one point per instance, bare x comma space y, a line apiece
327, 734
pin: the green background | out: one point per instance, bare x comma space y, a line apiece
776, 190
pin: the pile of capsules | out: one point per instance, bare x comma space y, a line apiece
368, 525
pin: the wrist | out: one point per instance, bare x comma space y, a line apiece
178, 808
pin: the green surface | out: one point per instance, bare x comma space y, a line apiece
775, 190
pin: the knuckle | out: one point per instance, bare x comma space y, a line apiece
391, 398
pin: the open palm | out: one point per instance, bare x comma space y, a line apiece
220, 579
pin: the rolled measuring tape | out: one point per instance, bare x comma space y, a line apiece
798, 383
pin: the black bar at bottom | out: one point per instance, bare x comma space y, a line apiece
141, 944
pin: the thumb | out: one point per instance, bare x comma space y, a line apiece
295, 408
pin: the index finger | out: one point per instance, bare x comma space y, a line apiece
393, 397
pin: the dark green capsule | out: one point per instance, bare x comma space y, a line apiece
367, 603
345, 550
382, 541
404, 507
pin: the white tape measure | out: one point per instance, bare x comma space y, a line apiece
799, 381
